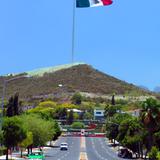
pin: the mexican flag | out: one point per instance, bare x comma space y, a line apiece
92, 3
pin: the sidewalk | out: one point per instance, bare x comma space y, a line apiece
116, 148
11, 157
16, 155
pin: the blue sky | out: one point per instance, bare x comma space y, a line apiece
122, 40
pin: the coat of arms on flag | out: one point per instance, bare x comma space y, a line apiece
92, 3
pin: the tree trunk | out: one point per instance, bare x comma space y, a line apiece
7, 153
21, 152
141, 151
28, 149
114, 142
150, 141
31, 148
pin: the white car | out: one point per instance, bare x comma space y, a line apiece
64, 146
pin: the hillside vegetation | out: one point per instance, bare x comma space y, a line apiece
76, 78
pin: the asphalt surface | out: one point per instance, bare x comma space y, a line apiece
71, 154
98, 149
94, 148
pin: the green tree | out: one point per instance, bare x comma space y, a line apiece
10, 111
150, 118
13, 106
112, 127
75, 116
44, 113
1, 137
70, 117
157, 138
14, 132
56, 130
130, 134
77, 98
16, 104
60, 112
113, 100
112, 131
42, 130
88, 106
88, 115
110, 110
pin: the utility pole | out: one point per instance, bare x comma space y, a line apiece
73, 30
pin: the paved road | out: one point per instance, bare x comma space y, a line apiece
72, 153
90, 148
98, 149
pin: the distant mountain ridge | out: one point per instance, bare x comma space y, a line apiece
67, 79
157, 89
144, 87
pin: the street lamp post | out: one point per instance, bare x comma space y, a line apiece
3, 95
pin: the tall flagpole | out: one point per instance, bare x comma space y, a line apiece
73, 31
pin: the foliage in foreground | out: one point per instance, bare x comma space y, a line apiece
14, 132
27, 131
42, 130
137, 133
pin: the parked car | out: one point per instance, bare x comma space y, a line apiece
36, 155
124, 153
64, 146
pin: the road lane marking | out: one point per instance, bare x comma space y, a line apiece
83, 156
83, 143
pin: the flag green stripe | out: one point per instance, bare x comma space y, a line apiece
83, 3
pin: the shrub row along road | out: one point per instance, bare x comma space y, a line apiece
81, 148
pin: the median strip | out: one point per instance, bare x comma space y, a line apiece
83, 143
83, 156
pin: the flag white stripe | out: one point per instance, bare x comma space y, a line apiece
95, 3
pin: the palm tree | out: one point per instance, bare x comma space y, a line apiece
150, 117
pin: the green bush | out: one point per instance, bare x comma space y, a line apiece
2, 151
47, 104
158, 156
78, 125
153, 153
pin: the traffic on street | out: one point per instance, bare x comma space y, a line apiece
82, 148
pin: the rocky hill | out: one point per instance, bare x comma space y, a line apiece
157, 89
67, 79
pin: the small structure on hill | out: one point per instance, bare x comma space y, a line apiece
99, 114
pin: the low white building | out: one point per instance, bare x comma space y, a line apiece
75, 110
99, 114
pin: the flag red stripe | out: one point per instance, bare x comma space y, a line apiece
107, 2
